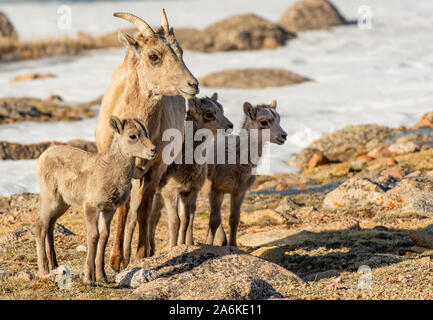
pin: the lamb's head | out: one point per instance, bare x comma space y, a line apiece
265, 116
132, 138
208, 113
157, 57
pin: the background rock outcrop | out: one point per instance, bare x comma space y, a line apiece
311, 15
7, 30
251, 78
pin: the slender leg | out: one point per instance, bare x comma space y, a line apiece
157, 205
117, 251
51, 253
131, 221
188, 202
220, 237
235, 214
170, 201
40, 234
104, 232
92, 242
144, 210
215, 198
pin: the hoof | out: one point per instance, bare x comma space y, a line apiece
115, 263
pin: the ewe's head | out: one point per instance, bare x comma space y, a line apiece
157, 58
265, 116
133, 139
208, 113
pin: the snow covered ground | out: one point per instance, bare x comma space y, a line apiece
381, 75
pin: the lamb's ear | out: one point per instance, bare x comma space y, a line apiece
273, 105
250, 111
214, 96
129, 42
194, 108
116, 124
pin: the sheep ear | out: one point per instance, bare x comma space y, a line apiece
194, 108
250, 111
214, 96
129, 42
116, 124
273, 105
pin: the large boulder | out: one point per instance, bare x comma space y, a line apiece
354, 193
251, 78
7, 30
311, 15
207, 272
239, 32
414, 194
344, 144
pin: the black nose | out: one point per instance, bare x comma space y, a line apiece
153, 150
230, 125
284, 136
193, 84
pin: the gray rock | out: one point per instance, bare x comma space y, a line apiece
414, 194
134, 277
208, 272
404, 147
354, 193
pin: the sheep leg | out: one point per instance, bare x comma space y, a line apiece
104, 232
188, 201
117, 251
144, 210
51, 253
215, 198
220, 236
41, 233
131, 220
235, 214
157, 205
170, 201
92, 242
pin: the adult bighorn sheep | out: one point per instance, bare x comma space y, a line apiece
99, 183
150, 84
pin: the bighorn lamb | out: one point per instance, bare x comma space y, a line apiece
181, 183
99, 183
237, 178
150, 84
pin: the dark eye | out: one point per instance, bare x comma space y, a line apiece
264, 123
153, 58
133, 137
209, 116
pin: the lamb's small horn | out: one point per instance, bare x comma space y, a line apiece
164, 22
142, 26
274, 104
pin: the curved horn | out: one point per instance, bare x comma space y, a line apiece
142, 26
164, 22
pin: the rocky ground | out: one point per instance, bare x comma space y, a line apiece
364, 217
